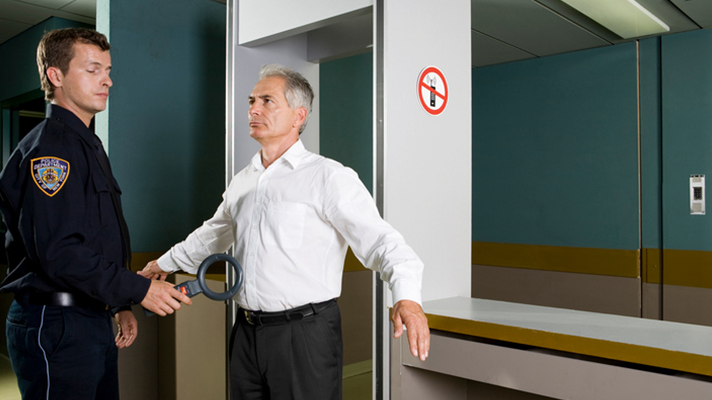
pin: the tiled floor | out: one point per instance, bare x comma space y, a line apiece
8, 384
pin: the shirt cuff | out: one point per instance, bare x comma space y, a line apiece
165, 263
406, 291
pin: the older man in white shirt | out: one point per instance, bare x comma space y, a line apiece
290, 215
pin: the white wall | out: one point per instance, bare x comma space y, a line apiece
265, 20
291, 52
428, 172
427, 159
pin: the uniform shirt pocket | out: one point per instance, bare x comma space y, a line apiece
104, 207
285, 224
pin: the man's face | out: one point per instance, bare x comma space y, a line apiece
84, 89
270, 116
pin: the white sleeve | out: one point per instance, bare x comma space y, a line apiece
352, 211
214, 236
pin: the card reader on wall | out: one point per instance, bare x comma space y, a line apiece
697, 194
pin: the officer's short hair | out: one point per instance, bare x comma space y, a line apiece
56, 49
297, 89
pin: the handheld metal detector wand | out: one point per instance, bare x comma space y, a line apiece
197, 286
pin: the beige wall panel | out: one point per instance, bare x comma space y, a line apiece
356, 316
426, 385
201, 346
598, 293
540, 372
484, 391
138, 364
652, 305
191, 347
687, 304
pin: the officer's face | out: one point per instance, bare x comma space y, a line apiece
84, 89
270, 116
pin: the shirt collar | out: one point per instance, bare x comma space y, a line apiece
68, 118
293, 156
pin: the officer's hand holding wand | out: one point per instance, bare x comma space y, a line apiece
161, 298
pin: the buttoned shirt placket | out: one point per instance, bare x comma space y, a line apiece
253, 241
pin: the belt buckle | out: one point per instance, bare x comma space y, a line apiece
251, 318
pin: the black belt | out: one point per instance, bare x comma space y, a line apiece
283, 317
61, 299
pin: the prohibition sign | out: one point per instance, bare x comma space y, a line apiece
432, 90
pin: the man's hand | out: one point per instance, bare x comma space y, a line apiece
128, 328
163, 299
153, 271
411, 314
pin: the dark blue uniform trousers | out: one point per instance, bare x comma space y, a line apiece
62, 352
299, 360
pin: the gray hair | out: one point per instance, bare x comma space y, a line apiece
297, 89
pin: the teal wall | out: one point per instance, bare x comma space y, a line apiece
346, 113
167, 115
651, 143
18, 62
687, 136
19, 79
554, 157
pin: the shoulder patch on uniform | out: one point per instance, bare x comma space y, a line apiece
49, 174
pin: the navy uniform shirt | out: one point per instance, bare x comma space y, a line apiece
63, 231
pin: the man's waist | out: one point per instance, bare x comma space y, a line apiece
60, 299
286, 316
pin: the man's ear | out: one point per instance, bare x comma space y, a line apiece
55, 76
300, 116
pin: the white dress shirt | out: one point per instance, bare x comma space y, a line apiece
291, 225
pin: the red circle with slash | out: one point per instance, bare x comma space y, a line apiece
432, 90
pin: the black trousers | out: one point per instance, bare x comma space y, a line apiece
62, 352
293, 360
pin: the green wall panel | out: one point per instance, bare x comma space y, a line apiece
167, 115
687, 136
555, 144
651, 143
346, 113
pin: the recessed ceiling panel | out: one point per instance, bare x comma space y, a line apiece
53, 4
530, 27
672, 16
25, 13
626, 18
86, 8
489, 51
699, 11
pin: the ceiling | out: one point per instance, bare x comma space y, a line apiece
502, 30
17, 16
510, 30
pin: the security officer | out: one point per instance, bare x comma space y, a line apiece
67, 242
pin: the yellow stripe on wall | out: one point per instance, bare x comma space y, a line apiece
583, 260
352, 264
687, 362
139, 260
652, 266
687, 268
